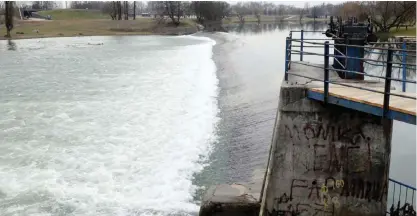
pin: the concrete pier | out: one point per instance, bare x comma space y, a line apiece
325, 159
230, 200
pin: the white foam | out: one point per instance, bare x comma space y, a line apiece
131, 152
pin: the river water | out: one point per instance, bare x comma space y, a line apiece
112, 129
140, 125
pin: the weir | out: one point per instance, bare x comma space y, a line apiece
331, 147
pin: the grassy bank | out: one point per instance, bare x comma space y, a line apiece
96, 27
69, 22
250, 19
410, 31
70, 14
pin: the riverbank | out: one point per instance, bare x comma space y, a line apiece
96, 27
403, 31
270, 19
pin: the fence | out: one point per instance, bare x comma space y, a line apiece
403, 195
403, 198
389, 64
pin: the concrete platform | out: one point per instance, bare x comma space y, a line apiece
230, 200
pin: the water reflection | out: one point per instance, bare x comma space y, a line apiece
11, 45
248, 28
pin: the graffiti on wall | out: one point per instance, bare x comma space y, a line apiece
333, 148
332, 161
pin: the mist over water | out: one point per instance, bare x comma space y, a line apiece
112, 129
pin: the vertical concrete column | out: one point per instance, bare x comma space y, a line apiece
326, 160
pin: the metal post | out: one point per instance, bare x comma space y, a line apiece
290, 48
301, 46
326, 71
404, 56
286, 58
387, 83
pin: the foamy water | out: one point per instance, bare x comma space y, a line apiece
117, 129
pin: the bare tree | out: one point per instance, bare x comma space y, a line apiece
158, 9
210, 10
241, 11
256, 8
43, 5
119, 10
388, 14
134, 10
281, 11
174, 10
314, 13
140, 6
126, 10
111, 9
304, 11
9, 12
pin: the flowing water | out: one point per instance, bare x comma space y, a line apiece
112, 129
143, 125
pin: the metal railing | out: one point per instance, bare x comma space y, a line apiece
403, 198
388, 64
403, 195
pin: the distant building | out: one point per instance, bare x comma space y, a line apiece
146, 14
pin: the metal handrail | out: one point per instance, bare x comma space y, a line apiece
396, 207
392, 66
347, 85
402, 184
348, 45
348, 57
388, 62
397, 54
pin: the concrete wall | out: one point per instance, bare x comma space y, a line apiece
326, 160
229, 200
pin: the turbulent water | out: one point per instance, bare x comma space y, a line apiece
105, 125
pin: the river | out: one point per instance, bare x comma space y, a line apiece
143, 125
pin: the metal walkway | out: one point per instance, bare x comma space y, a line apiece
381, 100
400, 108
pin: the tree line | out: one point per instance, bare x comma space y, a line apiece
385, 15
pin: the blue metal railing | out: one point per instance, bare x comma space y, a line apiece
402, 202
388, 73
403, 199
403, 53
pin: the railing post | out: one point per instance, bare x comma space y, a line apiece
301, 46
286, 58
387, 83
326, 71
404, 61
289, 54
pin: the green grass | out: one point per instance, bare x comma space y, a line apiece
93, 27
410, 31
71, 14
